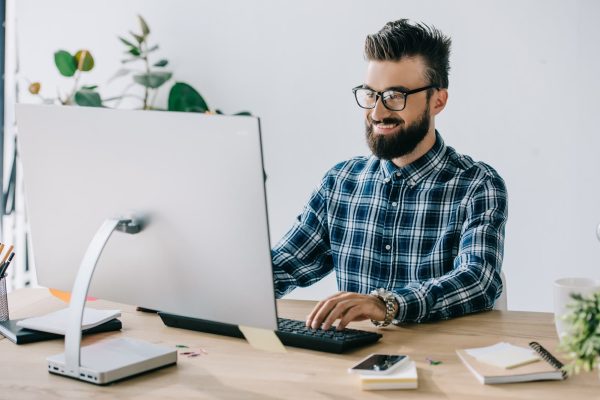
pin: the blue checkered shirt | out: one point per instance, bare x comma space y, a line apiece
432, 232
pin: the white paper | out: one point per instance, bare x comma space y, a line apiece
504, 355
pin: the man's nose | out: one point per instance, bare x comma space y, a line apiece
379, 113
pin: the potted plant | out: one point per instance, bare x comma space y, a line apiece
150, 75
583, 341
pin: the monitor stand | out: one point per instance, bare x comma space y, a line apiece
112, 360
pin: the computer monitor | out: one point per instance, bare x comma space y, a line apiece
197, 183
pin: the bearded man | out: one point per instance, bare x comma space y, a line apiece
414, 232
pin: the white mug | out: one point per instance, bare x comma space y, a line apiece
563, 288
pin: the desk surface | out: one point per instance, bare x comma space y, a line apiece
231, 369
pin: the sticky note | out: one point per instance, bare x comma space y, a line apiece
65, 296
262, 339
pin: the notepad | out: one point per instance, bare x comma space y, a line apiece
56, 322
404, 378
514, 367
504, 355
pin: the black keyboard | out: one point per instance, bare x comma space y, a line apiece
290, 332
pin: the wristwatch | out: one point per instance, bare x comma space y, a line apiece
390, 304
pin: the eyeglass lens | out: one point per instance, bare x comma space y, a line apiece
367, 98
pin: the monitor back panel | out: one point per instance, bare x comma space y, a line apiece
197, 183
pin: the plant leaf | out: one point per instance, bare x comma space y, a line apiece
152, 80
161, 63
196, 109
65, 63
120, 73
84, 60
90, 87
35, 87
88, 98
126, 42
247, 113
184, 97
144, 25
138, 38
151, 49
135, 51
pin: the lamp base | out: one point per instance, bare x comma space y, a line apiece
112, 360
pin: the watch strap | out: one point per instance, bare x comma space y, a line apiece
389, 301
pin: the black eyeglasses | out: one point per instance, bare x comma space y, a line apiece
393, 100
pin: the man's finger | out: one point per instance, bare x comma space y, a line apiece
322, 310
338, 311
318, 307
313, 312
356, 313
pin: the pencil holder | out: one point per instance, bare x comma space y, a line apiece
3, 299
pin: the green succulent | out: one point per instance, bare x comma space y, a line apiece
583, 340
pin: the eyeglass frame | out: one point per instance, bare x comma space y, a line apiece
379, 95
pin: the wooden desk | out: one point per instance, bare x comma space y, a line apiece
233, 370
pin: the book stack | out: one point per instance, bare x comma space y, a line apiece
404, 378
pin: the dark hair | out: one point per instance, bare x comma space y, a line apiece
399, 39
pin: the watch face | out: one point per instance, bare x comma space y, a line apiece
384, 294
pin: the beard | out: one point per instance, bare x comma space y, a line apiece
398, 144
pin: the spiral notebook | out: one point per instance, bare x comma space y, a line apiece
521, 368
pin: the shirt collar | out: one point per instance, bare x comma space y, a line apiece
414, 172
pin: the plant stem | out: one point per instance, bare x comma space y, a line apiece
84, 54
146, 89
69, 99
153, 99
123, 95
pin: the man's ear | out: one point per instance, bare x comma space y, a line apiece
439, 99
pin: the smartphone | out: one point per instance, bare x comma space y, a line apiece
379, 364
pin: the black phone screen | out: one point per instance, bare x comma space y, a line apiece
379, 362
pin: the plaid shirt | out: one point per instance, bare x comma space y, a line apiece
432, 232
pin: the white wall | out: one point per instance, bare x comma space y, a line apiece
523, 95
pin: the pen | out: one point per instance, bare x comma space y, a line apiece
5, 265
10, 249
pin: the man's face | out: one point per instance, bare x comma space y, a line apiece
393, 134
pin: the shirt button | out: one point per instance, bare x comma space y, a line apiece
387, 247
398, 174
394, 204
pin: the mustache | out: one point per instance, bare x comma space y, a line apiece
386, 121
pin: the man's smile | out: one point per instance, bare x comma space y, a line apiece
385, 128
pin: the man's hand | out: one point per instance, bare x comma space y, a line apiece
347, 307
